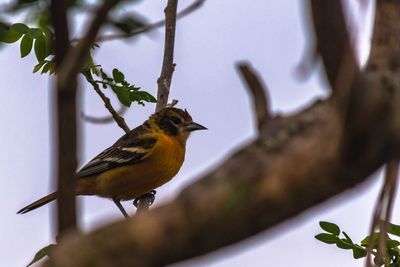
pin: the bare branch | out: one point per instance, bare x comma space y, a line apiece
383, 211
106, 119
168, 66
65, 124
290, 168
173, 103
147, 28
107, 103
334, 46
258, 91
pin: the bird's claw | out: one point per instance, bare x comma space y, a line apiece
150, 195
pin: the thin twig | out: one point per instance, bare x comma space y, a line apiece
107, 103
173, 103
147, 28
383, 211
168, 66
105, 119
258, 92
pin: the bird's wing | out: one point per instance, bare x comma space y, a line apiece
129, 149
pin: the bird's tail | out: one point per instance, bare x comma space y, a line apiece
38, 203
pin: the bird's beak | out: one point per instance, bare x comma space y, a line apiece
194, 127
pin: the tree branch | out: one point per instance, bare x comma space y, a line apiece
65, 124
259, 93
107, 103
164, 82
334, 46
105, 119
168, 66
147, 28
298, 162
77, 55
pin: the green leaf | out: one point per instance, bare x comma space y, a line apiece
122, 94
327, 238
10, 37
42, 253
49, 41
52, 67
40, 48
19, 27
375, 240
39, 66
118, 76
46, 68
35, 33
26, 45
359, 252
344, 244
392, 243
143, 96
330, 228
348, 238
394, 229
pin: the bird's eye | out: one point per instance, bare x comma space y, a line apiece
175, 120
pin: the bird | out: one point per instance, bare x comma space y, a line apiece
140, 161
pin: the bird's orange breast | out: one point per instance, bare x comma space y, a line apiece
130, 181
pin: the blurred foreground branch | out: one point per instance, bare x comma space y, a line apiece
298, 162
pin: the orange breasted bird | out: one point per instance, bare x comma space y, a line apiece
140, 161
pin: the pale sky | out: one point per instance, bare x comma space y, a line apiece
272, 35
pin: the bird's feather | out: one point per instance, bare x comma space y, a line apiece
129, 149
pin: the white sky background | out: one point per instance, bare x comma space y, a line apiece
272, 35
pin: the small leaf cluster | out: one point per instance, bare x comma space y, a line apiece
39, 39
127, 93
331, 235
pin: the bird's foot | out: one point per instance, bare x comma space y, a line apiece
148, 198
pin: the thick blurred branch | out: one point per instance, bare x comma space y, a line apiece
69, 61
65, 124
259, 93
298, 161
335, 48
77, 55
